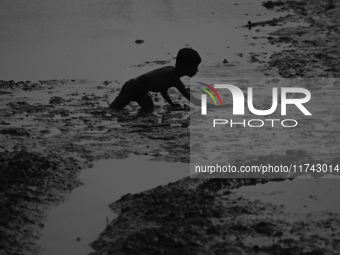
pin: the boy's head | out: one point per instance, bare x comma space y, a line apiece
187, 61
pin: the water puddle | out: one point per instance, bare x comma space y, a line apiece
301, 195
72, 225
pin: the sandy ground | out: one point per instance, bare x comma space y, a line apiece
55, 132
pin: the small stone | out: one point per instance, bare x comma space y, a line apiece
139, 41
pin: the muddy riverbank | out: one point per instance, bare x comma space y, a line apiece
189, 217
50, 129
205, 216
313, 50
46, 139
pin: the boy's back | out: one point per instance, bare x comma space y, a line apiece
159, 80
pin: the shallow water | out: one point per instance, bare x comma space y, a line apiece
96, 39
301, 195
72, 225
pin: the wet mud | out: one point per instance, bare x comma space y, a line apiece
313, 50
48, 136
204, 216
51, 129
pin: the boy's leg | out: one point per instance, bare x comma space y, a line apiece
120, 102
123, 98
145, 101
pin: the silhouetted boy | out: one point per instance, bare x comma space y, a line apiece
160, 80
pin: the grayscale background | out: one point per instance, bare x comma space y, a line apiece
78, 178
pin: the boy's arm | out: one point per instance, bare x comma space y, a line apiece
181, 88
165, 95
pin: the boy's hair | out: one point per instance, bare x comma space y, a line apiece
187, 56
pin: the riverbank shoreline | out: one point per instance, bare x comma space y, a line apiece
59, 127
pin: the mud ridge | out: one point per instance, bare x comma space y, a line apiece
204, 216
313, 50
29, 183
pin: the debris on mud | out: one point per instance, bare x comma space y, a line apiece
274, 22
139, 41
272, 5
